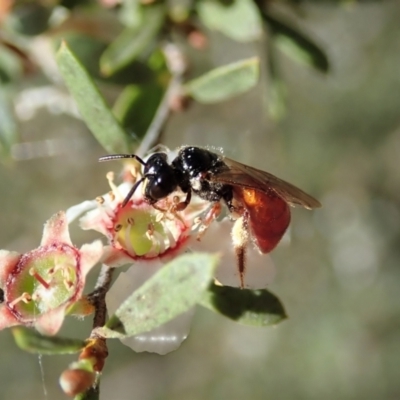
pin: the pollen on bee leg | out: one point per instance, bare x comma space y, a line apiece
25, 297
240, 234
240, 239
36, 275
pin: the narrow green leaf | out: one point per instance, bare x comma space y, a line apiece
8, 125
130, 13
276, 98
238, 19
32, 341
91, 104
11, 67
132, 42
170, 292
224, 82
247, 307
297, 45
136, 106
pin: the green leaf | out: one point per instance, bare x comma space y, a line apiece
91, 104
297, 45
136, 107
130, 13
174, 289
11, 67
224, 82
32, 341
239, 19
86, 48
247, 307
133, 42
180, 10
29, 17
8, 125
276, 99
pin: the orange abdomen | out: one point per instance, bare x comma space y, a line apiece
268, 216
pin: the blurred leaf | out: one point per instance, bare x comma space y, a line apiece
247, 307
133, 41
224, 82
130, 13
239, 19
136, 107
8, 125
11, 67
276, 99
29, 18
276, 90
32, 341
91, 104
179, 10
174, 289
70, 4
86, 48
297, 45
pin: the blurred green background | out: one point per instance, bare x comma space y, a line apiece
338, 138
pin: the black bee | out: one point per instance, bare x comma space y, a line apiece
258, 200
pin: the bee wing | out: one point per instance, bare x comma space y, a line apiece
242, 175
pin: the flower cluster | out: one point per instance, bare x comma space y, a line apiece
40, 287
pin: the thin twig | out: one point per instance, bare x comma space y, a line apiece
98, 296
177, 67
97, 347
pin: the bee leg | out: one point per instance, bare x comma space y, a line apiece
211, 215
183, 204
169, 212
240, 239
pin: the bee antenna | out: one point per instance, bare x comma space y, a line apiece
120, 156
132, 191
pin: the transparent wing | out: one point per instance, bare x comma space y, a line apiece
242, 175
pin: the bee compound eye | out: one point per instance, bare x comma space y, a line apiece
159, 187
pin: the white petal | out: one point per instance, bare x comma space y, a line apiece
56, 230
75, 211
